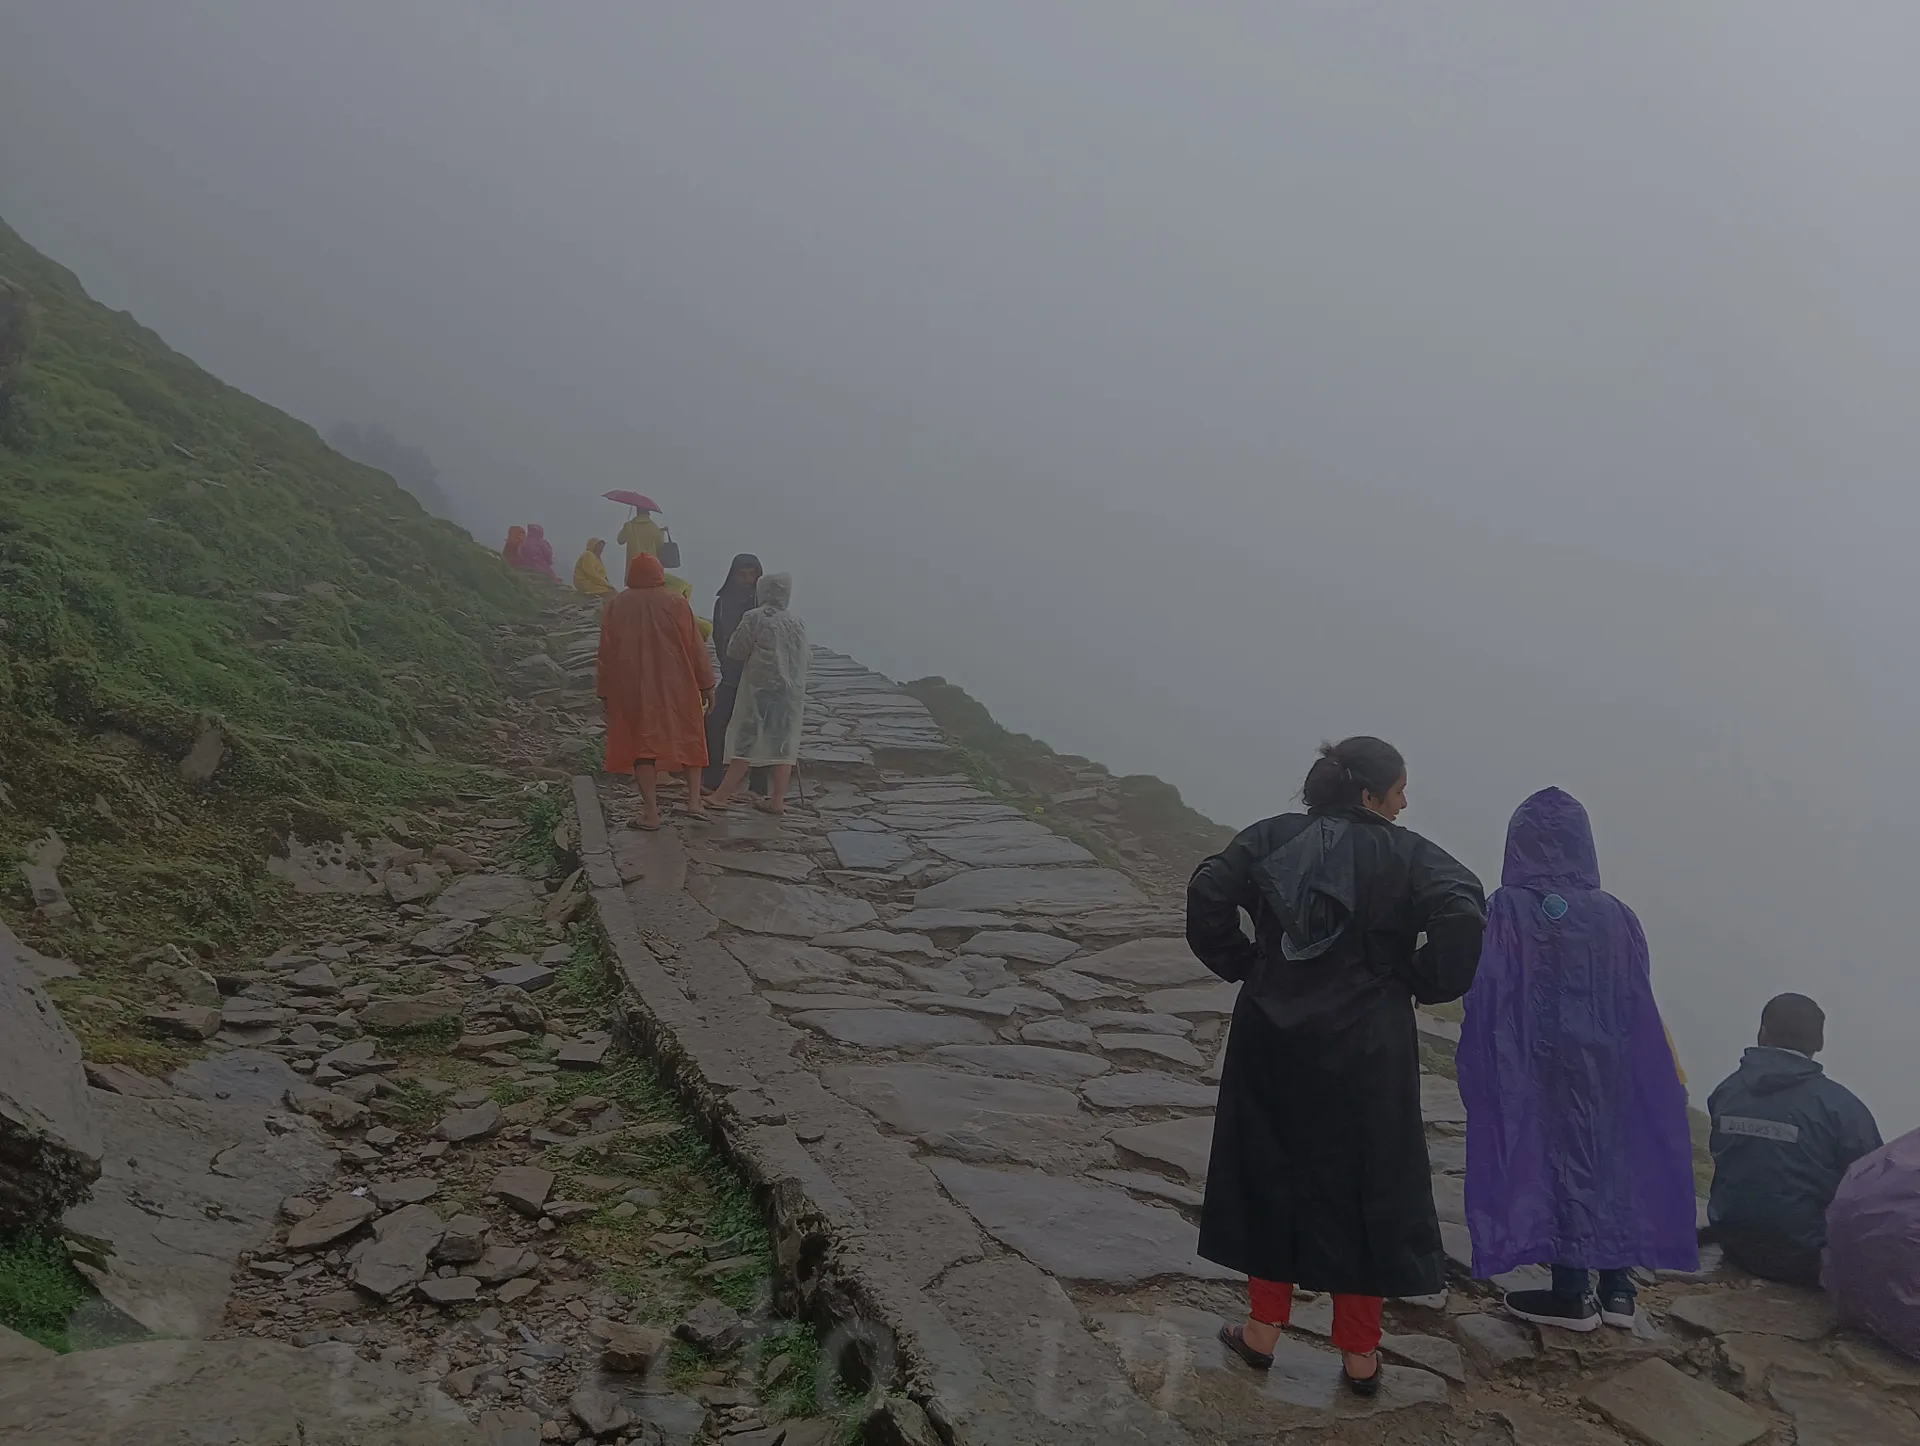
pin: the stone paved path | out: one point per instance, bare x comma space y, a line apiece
1005, 1057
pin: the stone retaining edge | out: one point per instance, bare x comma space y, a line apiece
888, 1329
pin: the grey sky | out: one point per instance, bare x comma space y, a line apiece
1529, 383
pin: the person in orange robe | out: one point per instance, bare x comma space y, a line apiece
656, 678
516, 539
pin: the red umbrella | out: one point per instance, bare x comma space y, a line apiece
633, 499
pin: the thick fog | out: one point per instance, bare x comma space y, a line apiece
1531, 384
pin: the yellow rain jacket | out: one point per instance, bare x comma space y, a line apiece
685, 589
590, 572
641, 534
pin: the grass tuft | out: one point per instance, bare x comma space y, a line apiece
40, 1291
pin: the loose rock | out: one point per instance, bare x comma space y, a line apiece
713, 1327
396, 1258
186, 1021
523, 1187
630, 1349
474, 1124
1666, 1408
338, 1217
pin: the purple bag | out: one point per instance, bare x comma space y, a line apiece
1872, 1266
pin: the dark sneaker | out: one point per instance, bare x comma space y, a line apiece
1618, 1310
1550, 1308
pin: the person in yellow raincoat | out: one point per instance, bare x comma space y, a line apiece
590, 572
685, 589
641, 534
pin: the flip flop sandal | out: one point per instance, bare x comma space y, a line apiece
1233, 1340
1364, 1385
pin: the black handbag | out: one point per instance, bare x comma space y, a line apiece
669, 552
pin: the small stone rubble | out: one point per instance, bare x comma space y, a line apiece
415, 1153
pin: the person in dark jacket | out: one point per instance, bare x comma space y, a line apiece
732, 603
1319, 1175
1784, 1136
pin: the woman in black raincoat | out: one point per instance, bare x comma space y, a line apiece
1319, 1176
733, 602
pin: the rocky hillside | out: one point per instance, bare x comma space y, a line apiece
214, 630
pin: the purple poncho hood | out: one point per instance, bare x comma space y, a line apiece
1873, 1244
1578, 1151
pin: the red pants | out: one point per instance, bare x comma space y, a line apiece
1356, 1318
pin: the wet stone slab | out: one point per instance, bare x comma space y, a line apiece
1826, 1414
988, 851
1080, 988
1147, 1089
1067, 1032
881, 941
933, 921
931, 793
766, 863
1024, 1061
1142, 1182
1494, 1342
1028, 947
1532, 1425
798, 999
1665, 1407
767, 906
1025, 999
1183, 1145
1201, 1001
965, 976
893, 1028
859, 849
920, 1099
1031, 891
979, 1005
1147, 964
1752, 1361
1175, 1359
1078, 1231
781, 963
658, 858
1158, 1046
1133, 1021
1772, 1310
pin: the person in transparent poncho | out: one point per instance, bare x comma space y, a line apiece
771, 646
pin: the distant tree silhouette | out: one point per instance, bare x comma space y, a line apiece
376, 446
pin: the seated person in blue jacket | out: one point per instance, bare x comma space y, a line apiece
1784, 1135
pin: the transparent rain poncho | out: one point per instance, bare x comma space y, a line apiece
771, 644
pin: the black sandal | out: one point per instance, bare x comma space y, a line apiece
1233, 1340
1368, 1386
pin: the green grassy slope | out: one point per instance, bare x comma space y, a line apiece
1027, 769
172, 549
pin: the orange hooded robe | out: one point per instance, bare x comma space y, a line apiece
653, 670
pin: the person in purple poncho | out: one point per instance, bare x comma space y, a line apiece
536, 553
1578, 1152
